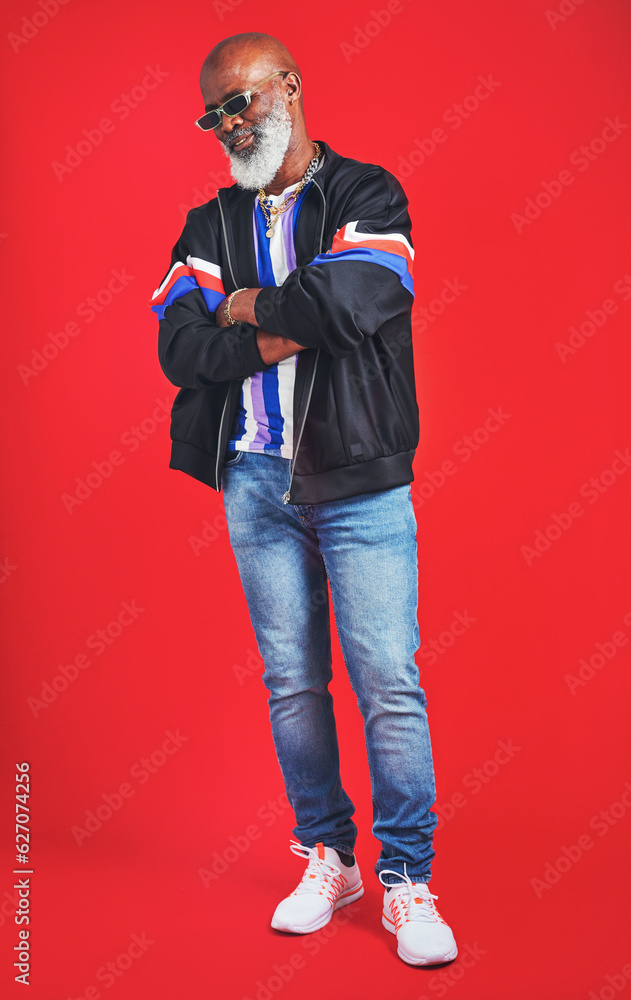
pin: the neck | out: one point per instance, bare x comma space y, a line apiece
297, 159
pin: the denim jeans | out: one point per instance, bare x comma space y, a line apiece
366, 547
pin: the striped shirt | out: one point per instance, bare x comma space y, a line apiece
264, 420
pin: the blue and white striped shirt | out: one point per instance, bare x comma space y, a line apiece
264, 419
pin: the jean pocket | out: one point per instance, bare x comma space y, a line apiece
232, 457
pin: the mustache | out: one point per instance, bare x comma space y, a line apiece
237, 134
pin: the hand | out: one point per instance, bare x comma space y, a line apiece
241, 307
273, 348
220, 318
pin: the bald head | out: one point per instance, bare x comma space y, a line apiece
252, 53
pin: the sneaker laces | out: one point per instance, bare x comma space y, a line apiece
320, 876
412, 898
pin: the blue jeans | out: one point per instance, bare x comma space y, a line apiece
366, 547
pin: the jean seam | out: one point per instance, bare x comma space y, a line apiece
234, 461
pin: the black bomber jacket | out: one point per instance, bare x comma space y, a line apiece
348, 301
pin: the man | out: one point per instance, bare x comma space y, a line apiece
285, 321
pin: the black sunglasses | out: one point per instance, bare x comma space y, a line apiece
235, 105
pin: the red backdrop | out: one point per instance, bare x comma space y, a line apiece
159, 843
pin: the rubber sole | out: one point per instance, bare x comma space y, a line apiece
322, 921
449, 957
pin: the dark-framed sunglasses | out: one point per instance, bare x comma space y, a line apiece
235, 105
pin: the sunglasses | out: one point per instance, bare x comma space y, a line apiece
234, 106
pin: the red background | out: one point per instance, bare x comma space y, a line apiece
188, 661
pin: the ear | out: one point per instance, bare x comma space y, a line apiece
293, 87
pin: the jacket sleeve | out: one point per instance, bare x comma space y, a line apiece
193, 351
363, 281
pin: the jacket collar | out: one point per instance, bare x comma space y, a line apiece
236, 208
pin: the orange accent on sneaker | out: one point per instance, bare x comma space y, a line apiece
320, 851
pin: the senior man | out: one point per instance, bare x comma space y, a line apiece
285, 321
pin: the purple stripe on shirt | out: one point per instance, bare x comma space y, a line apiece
256, 242
263, 435
288, 237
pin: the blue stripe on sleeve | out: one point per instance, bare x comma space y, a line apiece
393, 261
182, 287
212, 298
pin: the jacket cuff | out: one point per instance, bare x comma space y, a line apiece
250, 355
265, 310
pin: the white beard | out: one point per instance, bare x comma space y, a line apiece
257, 166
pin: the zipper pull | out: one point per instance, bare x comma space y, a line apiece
286, 497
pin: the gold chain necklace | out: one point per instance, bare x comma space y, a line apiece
272, 211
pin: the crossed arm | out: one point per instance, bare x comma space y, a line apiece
331, 303
272, 346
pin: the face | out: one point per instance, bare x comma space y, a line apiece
256, 140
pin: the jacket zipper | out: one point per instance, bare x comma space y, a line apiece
225, 236
223, 414
225, 405
315, 363
302, 427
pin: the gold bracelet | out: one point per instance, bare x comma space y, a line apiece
226, 311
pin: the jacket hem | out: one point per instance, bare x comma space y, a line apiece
194, 462
378, 474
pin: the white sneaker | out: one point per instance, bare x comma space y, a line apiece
326, 885
409, 911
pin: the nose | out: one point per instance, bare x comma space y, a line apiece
229, 122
